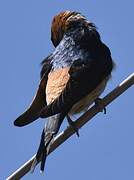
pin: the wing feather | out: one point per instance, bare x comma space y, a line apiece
39, 101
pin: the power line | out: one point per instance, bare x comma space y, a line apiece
63, 136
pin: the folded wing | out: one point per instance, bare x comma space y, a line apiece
39, 101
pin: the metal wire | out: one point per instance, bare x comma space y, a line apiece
63, 136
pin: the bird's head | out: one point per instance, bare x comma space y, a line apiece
63, 22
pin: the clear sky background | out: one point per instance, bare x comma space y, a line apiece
105, 149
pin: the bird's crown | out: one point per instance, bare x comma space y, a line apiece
64, 21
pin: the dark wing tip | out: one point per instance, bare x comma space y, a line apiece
25, 119
17, 124
20, 122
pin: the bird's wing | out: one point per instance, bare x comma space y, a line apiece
84, 77
39, 101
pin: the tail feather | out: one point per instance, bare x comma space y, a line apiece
43, 160
39, 152
51, 129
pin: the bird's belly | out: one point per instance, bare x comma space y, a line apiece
56, 83
85, 102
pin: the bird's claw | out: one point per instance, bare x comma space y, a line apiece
100, 106
73, 125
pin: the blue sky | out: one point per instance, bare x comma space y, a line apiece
105, 149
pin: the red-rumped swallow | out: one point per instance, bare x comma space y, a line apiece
72, 77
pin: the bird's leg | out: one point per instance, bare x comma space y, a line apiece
99, 105
73, 125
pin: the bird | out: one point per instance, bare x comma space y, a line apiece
72, 77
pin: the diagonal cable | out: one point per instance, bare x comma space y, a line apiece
63, 136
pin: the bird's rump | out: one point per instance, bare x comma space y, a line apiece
56, 83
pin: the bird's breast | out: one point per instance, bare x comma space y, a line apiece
56, 83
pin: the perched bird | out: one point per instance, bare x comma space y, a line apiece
72, 77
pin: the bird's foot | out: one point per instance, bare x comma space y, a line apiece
100, 106
73, 125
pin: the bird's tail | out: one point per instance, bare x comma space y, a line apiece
51, 129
